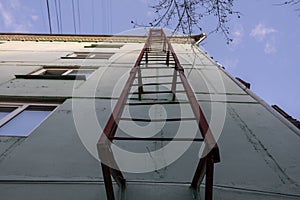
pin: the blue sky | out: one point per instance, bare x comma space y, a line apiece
264, 52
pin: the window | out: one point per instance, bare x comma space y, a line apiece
4, 111
117, 46
88, 55
59, 73
21, 120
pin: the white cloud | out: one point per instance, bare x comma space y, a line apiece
14, 4
260, 31
238, 34
11, 20
34, 17
270, 47
6, 16
266, 36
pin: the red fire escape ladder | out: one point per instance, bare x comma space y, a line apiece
157, 53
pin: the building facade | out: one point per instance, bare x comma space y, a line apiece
57, 93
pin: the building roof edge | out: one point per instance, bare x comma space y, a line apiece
82, 38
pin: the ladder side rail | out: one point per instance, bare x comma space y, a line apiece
112, 123
199, 173
104, 142
202, 122
107, 182
209, 178
211, 151
140, 84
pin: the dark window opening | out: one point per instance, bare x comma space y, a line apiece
53, 72
117, 46
88, 55
59, 73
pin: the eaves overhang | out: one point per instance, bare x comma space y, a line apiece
84, 38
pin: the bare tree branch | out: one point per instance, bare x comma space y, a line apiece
290, 2
187, 16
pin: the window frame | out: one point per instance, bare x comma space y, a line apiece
64, 76
19, 108
88, 55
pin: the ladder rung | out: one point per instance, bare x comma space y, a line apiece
159, 92
158, 67
149, 60
152, 57
157, 63
158, 56
162, 76
162, 58
155, 52
158, 139
157, 120
157, 102
163, 83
